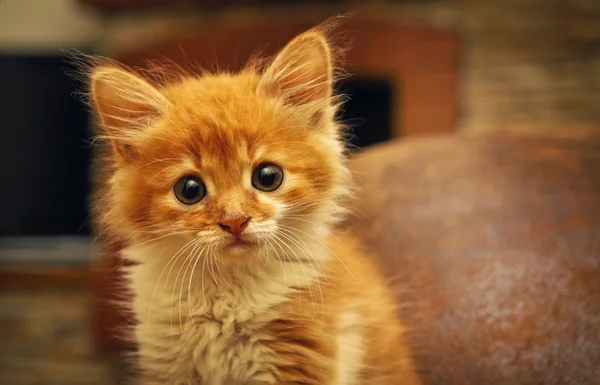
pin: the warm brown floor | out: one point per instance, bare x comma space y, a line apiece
45, 339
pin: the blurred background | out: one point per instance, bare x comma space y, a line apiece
418, 68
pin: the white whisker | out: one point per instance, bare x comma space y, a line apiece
324, 245
173, 259
308, 283
277, 242
197, 257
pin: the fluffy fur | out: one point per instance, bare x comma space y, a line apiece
301, 305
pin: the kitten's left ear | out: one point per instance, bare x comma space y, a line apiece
125, 102
302, 72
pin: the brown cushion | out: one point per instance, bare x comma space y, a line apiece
493, 245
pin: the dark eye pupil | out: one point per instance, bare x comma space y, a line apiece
191, 189
267, 176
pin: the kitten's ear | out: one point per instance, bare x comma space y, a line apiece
302, 72
125, 102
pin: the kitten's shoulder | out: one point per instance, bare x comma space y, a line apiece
349, 254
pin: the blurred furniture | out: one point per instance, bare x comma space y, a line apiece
493, 245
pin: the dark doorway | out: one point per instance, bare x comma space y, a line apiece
367, 110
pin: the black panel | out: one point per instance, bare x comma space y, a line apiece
44, 151
368, 110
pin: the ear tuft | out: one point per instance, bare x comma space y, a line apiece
124, 101
126, 104
302, 72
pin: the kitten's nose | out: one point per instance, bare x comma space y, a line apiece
234, 225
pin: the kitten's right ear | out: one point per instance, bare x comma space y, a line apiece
125, 103
302, 72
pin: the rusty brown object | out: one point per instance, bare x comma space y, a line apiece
493, 244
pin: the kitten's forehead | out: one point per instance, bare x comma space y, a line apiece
217, 98
215, 107
219, 124
222, 119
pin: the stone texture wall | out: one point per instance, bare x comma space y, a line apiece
527, 64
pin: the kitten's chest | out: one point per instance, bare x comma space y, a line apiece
228, 346
212, 332
212, 335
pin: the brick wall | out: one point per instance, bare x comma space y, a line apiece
527, 64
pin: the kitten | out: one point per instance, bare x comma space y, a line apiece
226, 189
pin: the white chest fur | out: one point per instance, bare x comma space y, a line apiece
195, 326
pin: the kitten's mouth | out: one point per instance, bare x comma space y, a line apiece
238, 242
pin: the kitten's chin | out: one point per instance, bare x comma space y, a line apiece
237, 246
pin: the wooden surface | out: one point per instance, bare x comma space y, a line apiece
493, 245
45, 339
120, 5
46, 276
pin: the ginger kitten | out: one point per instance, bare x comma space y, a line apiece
226, 189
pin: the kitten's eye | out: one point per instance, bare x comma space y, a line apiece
267, 177
189, 190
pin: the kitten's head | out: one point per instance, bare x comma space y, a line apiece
230, 162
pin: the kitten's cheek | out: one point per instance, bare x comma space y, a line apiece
265, 208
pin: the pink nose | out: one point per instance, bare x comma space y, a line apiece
234, 225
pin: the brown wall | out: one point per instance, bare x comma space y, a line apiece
526, 64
